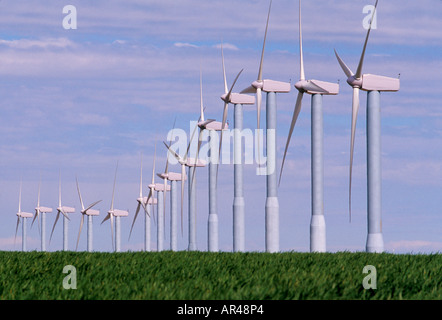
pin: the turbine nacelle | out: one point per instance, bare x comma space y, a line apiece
268, 86
91, 212
317, 87
160, 187
238, 98
172, 176
43, 209
24, 215
64, 209
192, 162
118, 213
211, 124
371, 82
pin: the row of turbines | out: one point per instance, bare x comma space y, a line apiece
372, 84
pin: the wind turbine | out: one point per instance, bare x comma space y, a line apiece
89, 212
212, 127
117, 214
173, 177
144, 202
64, 210
191, 163
271, 87
373, 84
41, 210
24, 216
317, 89
161, 189
238, 100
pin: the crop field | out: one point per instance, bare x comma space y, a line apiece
214, 276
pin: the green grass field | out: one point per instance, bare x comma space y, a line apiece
231, 276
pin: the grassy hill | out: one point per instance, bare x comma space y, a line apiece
230, 276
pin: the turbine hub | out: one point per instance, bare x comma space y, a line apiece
258, 84
300, 85
355, 83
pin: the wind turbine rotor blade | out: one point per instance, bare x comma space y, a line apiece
233, 84
190, 142
106, 218
224, 70
361, 61
264, 44
37, 212
302, 77
53, 227
19, 198
176, 155
141, 176
92, 205
135, 218
250, 89
344, 67
16, 228
59, 188
201, 97
166, 170
153, 167
79, 232
113, 189
355, 109
79, 195
296, 112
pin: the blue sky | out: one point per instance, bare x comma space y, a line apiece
81, 100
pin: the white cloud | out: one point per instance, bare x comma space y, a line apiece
414, 246
226, 46
184, 45
40, 43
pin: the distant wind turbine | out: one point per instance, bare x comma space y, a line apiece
41, 210
64, 210
89, 212
23, 215
117, 214
146, 203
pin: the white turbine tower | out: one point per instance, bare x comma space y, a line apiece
271, 87
144, 202
238, 100
317, 89
41, 210
89, 212
373, 84
23, 215
117, 214
64, 210
173, 177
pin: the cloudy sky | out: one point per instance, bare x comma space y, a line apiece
77, 101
